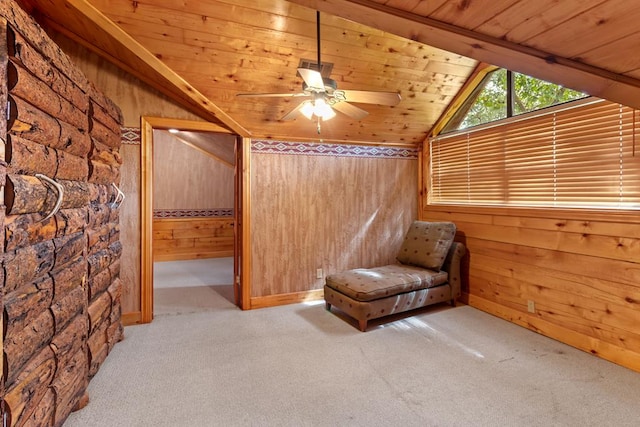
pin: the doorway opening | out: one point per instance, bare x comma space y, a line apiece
198, 246
193, 227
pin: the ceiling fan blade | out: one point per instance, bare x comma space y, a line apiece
371, 97
293, 114
268, 95
350, 110
312, 78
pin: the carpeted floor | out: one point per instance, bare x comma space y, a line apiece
300, 365
192, 273
181, 287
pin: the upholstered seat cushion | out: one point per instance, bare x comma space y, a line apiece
374, 283
426, 244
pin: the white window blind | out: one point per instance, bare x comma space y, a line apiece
582, 156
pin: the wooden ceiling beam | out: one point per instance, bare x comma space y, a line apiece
176, 87
543, 65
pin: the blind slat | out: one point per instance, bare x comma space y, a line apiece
580, 157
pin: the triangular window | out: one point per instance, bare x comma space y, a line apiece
502, 94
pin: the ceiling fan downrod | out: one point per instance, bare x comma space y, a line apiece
319, 61
318, 38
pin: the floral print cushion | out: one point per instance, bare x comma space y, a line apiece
426, 244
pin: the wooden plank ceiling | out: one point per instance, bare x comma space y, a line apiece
203, 52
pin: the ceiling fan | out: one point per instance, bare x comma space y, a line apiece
324, 96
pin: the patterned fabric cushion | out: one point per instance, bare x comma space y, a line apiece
374, 283
427, 244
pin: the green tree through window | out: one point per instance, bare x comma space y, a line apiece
534, 94
488, 102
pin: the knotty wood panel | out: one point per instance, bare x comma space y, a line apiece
583, 275
192, 238
532, 18
554, 32
334, 213
185, 178
256, 48
134, 98
588, 45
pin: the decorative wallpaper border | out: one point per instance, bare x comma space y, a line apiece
333, 150
131, 136
193, 213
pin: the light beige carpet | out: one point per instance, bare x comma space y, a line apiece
300, 365
182, 287
191, 273
185, 300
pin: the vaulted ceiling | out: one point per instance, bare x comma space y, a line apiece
203, 52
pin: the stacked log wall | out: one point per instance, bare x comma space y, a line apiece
3, 172
60, 289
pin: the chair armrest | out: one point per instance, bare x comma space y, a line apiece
452, 266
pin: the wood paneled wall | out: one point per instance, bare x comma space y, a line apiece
186, 178
134, 97
192, 238
581, 270
339, 210
130, 231
328, 212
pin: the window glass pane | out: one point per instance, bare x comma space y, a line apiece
491, 103
533, 94
486, 104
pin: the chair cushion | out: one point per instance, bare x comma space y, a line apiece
374, 283
426, 244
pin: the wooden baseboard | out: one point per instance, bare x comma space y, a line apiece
284, 299
191, 255
133, 318
621, 356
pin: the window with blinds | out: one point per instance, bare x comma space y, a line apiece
579, 155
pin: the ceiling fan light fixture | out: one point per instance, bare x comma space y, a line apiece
323, 110
307, 109
317, 108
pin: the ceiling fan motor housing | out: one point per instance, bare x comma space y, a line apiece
330, 85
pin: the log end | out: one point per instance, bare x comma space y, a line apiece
81, 403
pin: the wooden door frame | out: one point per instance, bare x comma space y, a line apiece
147, 125
241, 226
